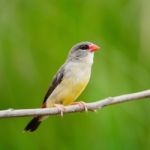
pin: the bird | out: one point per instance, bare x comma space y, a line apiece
69, 81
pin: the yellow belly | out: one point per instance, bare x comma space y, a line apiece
67, 92
71, 96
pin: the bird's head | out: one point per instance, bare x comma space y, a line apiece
83, 50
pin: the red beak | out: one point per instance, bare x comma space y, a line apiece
93, 47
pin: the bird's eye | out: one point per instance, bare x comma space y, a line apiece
84, 47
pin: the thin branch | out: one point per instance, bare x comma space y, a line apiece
75, 108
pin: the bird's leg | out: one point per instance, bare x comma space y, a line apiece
60, 108
81, 104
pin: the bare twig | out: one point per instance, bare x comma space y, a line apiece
75, 108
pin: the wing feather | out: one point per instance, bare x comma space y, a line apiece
55, 82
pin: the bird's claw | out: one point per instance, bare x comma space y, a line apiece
60, 109
81, 105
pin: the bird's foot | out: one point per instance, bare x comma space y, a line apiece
81, 105
60, 109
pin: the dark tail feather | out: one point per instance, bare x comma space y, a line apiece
33, 124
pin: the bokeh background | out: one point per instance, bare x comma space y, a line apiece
35, 37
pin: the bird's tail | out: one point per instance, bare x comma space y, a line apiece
33, 124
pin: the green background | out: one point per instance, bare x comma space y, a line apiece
35, 37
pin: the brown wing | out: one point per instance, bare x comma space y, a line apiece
56, 81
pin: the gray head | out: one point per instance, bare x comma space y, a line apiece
82, 50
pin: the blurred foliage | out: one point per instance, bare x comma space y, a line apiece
35, 37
